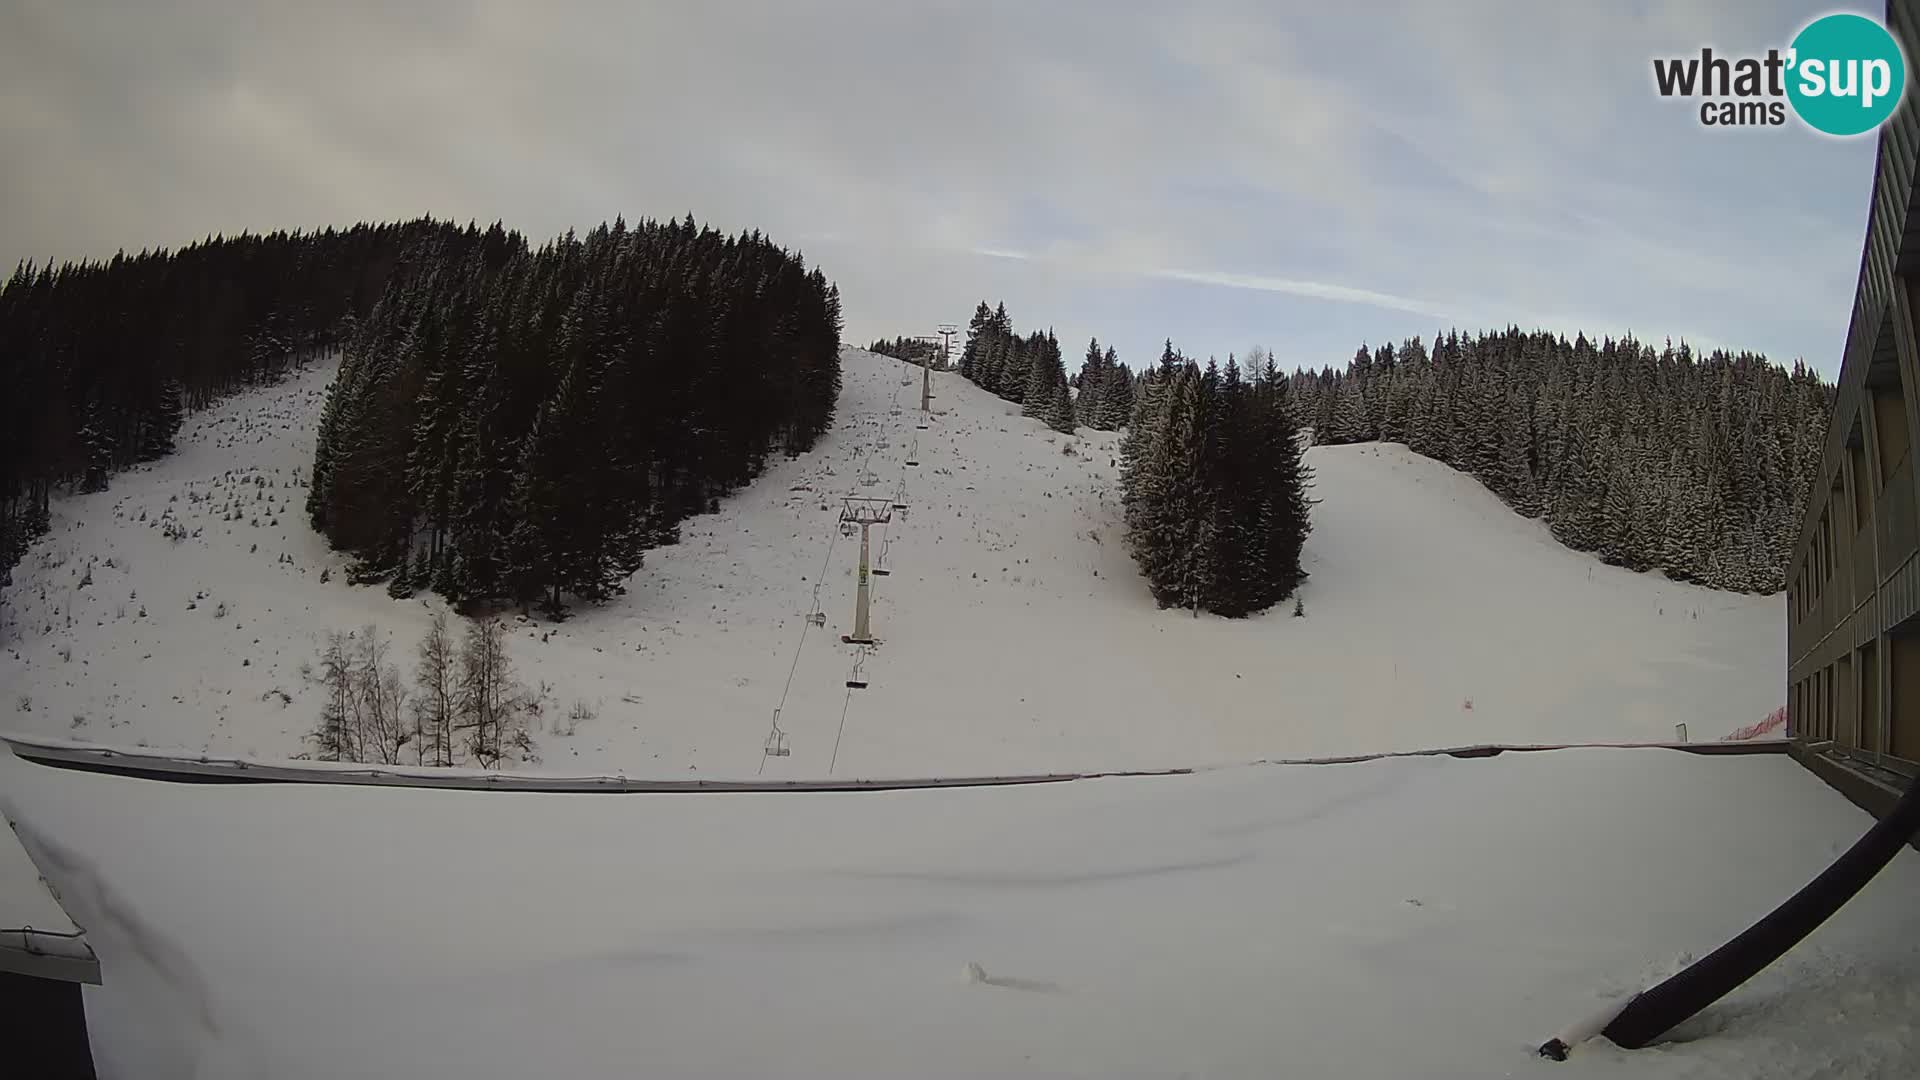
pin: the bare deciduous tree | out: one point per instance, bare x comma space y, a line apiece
384, 732
492, 705
335, 735
466, 704
437, 677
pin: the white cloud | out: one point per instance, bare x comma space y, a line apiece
1315, 289
1398, 158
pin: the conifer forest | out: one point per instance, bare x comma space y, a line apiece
508, 423
1697, 465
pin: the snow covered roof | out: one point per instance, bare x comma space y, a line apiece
36, 936
1430, 917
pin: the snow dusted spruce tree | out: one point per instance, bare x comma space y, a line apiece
1117, 387
1103, 390
1650, 458
1213, 486
520, 424
912, 350
1088, 387
1046, 395
1030, 372
102, 360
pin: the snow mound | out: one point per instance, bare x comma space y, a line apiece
179, 608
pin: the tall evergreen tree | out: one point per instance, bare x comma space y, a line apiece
1087, 403
1214, 488
1116, 402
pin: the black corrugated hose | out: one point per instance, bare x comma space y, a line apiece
1652, 1013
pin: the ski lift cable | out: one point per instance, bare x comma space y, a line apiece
826, 563
844, 706
860, 655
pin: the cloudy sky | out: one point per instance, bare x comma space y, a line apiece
1300, 176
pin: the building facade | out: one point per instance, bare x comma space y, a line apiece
1853, 593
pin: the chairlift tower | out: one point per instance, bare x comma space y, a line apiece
864, 513
947, 330
926, 383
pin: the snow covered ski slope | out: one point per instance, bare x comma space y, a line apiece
1015, 634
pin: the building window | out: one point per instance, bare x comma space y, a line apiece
1890, 425
1862, 495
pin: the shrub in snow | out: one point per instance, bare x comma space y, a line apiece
579, 714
